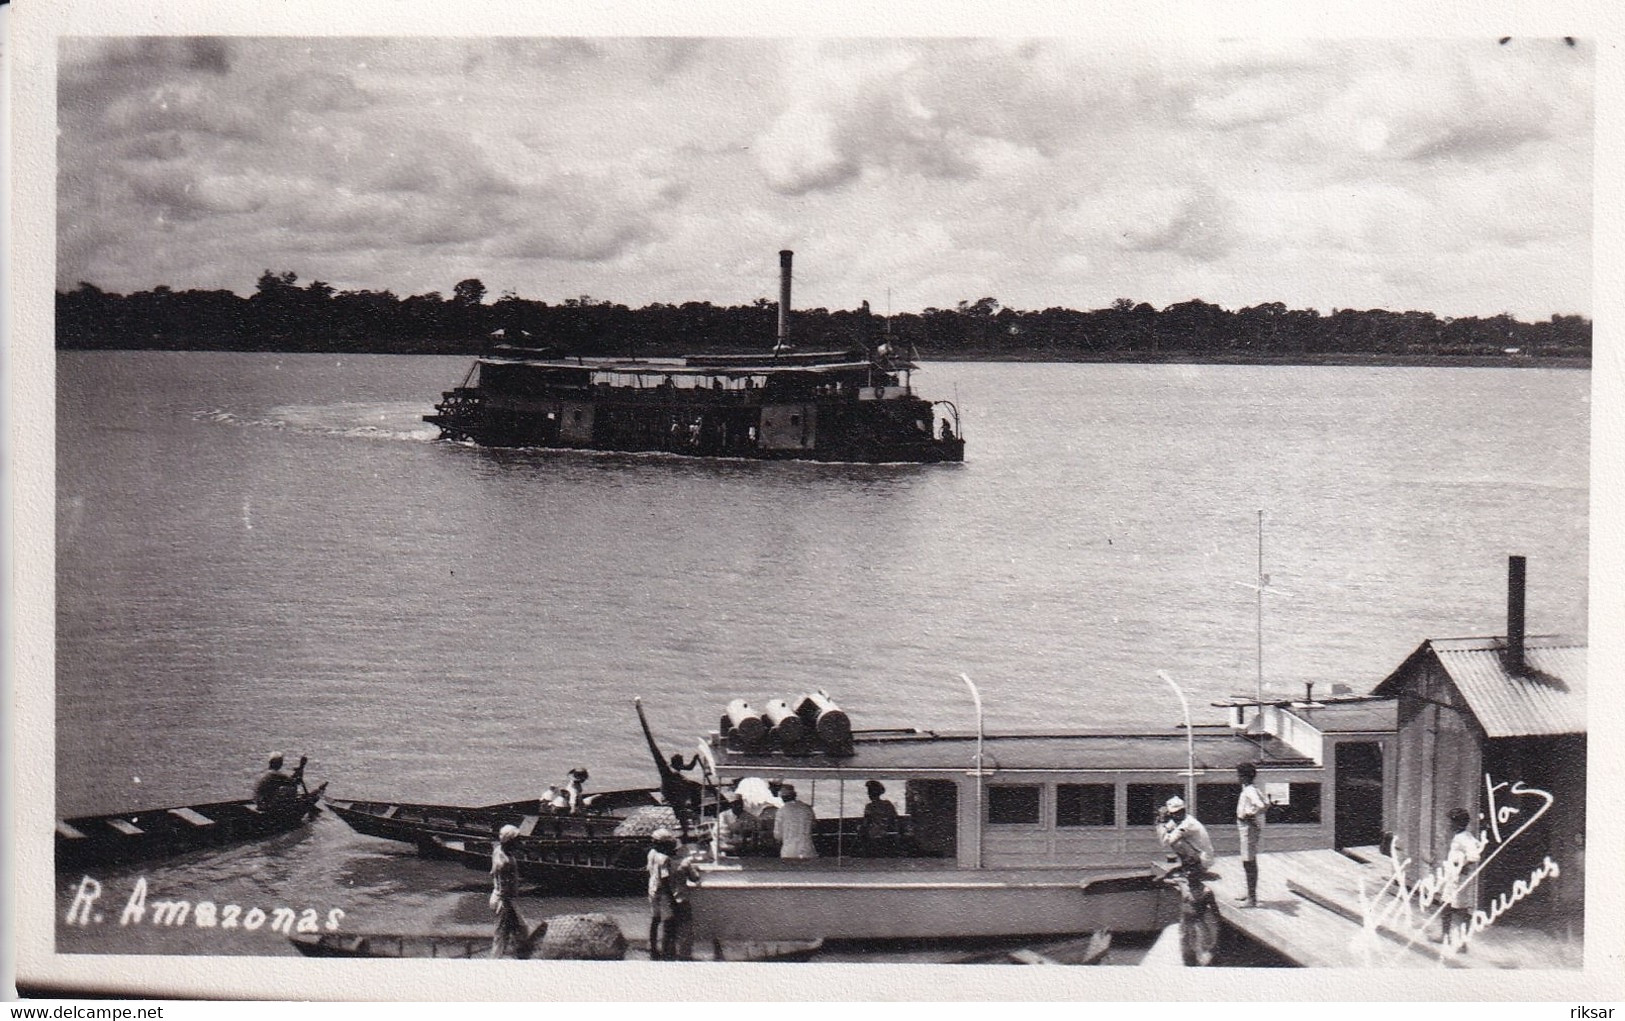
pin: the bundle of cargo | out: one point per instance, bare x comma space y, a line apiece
813, 724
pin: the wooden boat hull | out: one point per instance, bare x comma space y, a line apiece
418, 824
840, 905
452, 947
612, 866
125, 838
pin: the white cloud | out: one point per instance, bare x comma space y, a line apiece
1042, 172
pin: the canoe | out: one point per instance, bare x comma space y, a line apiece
418, 824
1083, 950
610, 865
451, 947
125, 837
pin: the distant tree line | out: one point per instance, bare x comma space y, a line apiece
283, 315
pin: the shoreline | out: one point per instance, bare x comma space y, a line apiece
1342, 359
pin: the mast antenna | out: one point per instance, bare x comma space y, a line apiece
1261, 587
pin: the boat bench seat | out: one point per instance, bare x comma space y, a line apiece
129, 829
390, 812
65, 830
192, 816
527, 826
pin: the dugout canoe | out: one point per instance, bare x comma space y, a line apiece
418, 824
123, 838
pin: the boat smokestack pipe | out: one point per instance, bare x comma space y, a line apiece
1514, 650
784, 297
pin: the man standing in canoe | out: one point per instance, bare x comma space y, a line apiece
679, 793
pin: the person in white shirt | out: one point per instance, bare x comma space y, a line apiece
1251, 807
511, 933
793, 826
1182, 834
737, 828
1459, 894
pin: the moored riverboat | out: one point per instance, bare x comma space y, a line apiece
1034, 834
851, 406
121, 838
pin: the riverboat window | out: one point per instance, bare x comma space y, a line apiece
1216, 802
1289, 802
1145, 798
1085, 804
933, 814
1302, 804
1013, 805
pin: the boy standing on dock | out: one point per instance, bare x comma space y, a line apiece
1459, 894
1251, 807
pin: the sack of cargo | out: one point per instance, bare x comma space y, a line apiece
593, 937
643, 821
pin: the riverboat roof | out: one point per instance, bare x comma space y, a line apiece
900, 752
766, 365
1337, 714
1366, 716
1547, 698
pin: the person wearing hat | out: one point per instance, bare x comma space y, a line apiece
737, 829
1251, 806
1459, 894
670, 915
880, 826
510, 936
793, 826
567, 798
1181, 833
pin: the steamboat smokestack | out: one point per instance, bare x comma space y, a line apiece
1514, 651
784, 298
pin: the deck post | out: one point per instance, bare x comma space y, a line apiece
1190, 743
976, 697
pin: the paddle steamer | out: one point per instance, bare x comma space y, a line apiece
856, 406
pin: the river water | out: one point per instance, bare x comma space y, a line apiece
260, 552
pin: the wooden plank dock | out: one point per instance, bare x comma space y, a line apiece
1334, 909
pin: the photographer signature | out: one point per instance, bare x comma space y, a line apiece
1410, 908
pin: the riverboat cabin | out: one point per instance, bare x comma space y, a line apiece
987, 822
1496, 726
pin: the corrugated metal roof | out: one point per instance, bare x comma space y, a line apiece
1549, 699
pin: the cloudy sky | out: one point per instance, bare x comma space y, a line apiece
1452, 176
